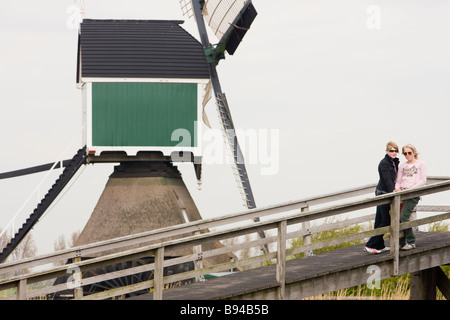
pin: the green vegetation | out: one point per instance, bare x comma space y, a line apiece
329, 234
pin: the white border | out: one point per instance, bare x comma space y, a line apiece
132, 151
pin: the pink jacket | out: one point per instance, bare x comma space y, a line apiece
411, 175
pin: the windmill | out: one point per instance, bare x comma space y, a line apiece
141, 79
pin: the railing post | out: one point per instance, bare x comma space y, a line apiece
77, 277
414, 217
158, 277
395, 233
281, 258
22, 290
307, 238
198, 263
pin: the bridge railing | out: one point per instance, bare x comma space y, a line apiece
281, 223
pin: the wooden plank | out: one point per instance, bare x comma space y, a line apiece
423, 285
443, 283
338, 196
159, 274
425, 208
281, 259
119, 291
423, 221
395, 233
436, 179
22, 289
77, 291
337, 241
307, 240
93, 279
83, 265
238, 264
424, 190
198, 260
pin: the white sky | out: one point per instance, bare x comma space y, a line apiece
335, 89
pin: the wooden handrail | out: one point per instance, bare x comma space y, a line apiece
195, 226
182, 229
277, 222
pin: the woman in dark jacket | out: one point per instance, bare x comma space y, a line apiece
387, 170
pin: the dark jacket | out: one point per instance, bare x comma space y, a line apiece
387, 169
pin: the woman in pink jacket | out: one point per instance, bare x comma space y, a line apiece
411, 174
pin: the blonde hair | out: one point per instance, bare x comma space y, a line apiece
390, 145
410, 146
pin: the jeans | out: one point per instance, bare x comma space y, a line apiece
405, 215
382, 219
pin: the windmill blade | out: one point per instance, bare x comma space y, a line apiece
229, 20
35, 169
238, 163
224, 110
235, 152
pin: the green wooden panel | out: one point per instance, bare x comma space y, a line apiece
142, 114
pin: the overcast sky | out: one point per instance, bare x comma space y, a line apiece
335, 80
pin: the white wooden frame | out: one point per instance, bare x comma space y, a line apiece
132, 151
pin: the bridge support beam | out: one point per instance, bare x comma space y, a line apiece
425, 282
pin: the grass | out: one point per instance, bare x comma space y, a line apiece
329, 234
397, 288
390, 289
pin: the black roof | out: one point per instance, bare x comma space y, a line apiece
139, 49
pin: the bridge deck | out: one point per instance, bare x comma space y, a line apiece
243, 284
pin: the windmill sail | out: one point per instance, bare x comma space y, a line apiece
221, 15
199, 8
229, 20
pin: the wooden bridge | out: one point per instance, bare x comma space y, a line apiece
268, 274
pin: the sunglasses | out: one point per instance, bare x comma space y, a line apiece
407, 153
394, 150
